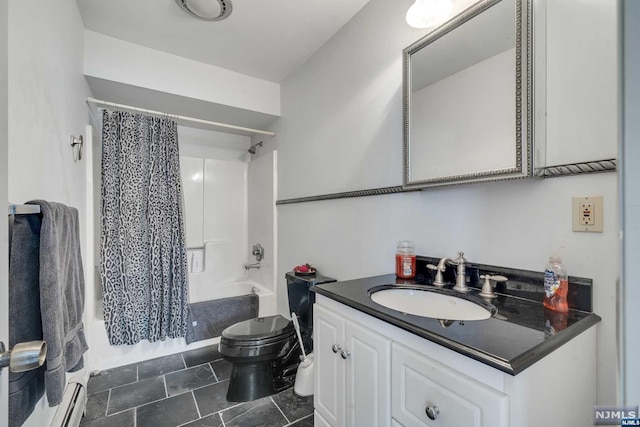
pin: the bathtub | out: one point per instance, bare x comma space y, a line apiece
103, 356
201, 292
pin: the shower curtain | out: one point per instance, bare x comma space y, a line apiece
143, 261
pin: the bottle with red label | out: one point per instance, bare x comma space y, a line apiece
556, 284
405, 260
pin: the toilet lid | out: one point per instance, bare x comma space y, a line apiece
262, 327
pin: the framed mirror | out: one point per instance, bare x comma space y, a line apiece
467, 92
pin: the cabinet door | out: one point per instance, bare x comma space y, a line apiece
318, 421
420, 382
329, 395
367, 357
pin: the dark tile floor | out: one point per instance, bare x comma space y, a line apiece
186, 389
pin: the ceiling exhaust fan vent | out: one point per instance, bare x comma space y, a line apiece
207, 10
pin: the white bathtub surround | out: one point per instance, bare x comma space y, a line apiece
216, 215
229, 206
192, 171
195, 260
222, 262
262, 189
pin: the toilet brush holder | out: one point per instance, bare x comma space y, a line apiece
304, 377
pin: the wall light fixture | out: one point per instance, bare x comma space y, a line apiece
429, 13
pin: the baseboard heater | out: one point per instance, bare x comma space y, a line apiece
71, 409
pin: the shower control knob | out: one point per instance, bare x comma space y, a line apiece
336, 348
432, 412
345, 354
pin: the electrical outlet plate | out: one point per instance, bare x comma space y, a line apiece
587, 214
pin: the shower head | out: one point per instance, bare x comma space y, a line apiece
252, 149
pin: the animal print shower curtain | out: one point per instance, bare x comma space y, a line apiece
143, 261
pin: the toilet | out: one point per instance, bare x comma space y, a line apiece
265, 351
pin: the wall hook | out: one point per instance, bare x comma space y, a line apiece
76, 146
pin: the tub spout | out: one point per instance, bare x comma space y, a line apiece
255, 265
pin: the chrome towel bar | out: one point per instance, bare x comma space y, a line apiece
23, 209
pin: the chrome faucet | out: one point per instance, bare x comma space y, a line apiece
255, 265
258, 252
440, 268
461, 279
489, 282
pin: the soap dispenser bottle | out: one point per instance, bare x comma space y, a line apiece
556, 284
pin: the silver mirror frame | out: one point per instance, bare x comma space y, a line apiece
524, 96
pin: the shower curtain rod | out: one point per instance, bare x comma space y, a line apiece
179, 117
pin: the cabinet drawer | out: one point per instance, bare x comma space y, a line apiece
419, 382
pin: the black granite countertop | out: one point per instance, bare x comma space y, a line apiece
520, 332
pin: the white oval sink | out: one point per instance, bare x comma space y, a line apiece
430, 304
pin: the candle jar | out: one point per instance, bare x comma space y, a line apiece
405, 260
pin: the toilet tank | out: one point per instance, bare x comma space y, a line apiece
301, 301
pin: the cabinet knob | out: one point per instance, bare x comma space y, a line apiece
345, 354
432, 412
336, 348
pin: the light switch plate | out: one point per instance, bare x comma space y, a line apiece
587, 214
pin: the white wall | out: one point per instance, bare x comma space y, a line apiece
46, 106
116, 60
631, 207
341, 129
46, 98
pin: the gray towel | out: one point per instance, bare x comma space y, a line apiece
61, 295
25, 388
